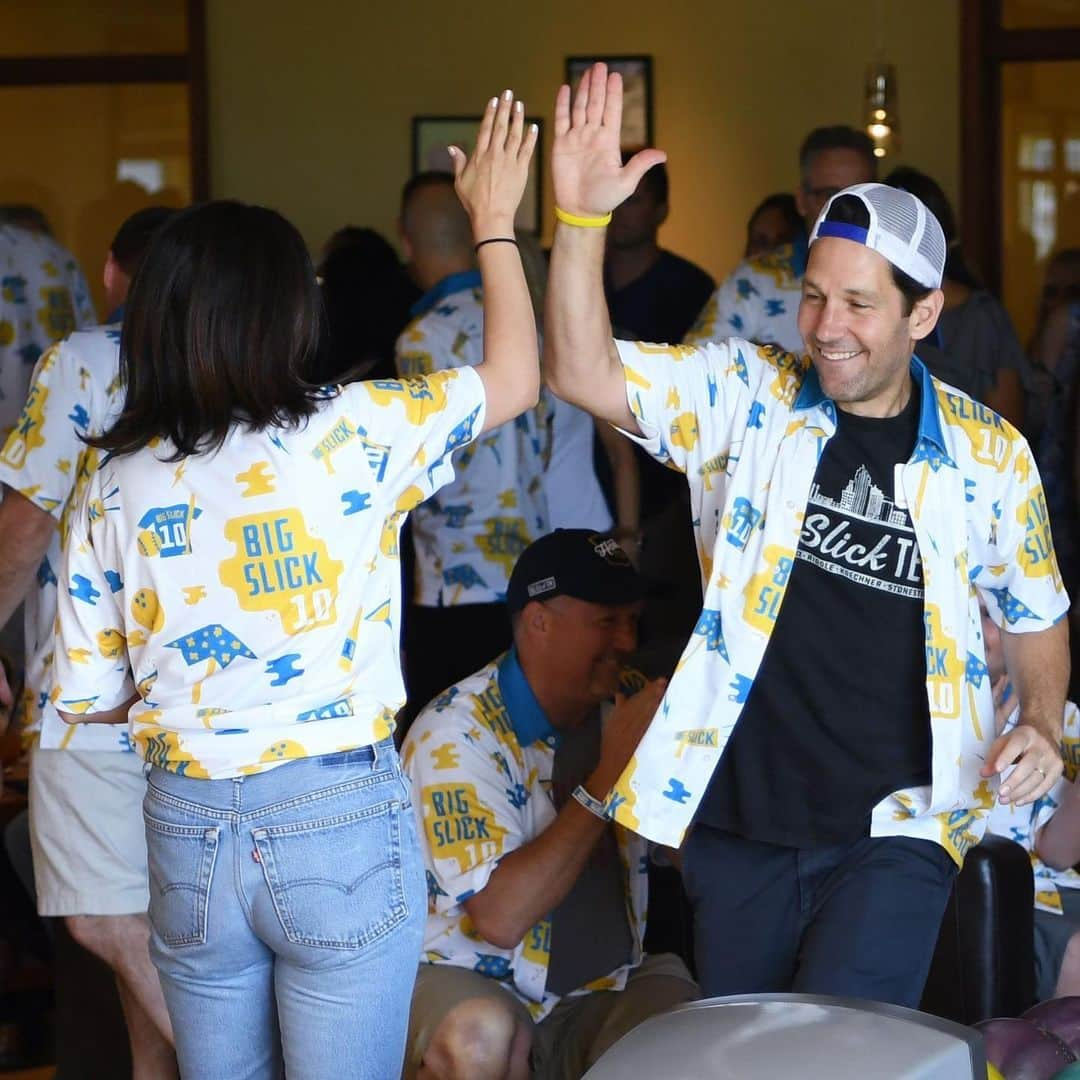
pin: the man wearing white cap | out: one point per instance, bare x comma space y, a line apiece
829, 729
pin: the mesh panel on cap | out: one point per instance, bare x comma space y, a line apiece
932, 245
898, 216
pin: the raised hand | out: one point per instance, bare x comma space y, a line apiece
1036, 762
491, 183
586, 163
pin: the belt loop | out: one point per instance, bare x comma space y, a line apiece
374, 756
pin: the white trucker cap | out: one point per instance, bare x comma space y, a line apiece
901, 230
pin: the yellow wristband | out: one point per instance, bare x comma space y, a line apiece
582, 222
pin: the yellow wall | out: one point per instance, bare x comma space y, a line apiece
311, 103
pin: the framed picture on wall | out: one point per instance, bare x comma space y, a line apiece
431, 135
636, 72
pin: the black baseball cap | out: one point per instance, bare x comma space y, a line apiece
574, 562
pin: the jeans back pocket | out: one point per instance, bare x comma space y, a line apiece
180, 864
336, 882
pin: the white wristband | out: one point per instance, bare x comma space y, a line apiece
594, 806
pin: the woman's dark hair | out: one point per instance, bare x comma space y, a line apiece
367, 296
784, 202
929, 192
849, 210
221, 327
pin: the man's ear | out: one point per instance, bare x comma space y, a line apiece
925, 314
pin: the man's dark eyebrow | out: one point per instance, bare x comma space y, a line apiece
865, 294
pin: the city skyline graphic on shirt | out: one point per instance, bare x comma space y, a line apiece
863, 499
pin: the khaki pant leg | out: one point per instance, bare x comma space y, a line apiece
580, 1029
439, 988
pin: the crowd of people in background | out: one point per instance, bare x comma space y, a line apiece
291, 517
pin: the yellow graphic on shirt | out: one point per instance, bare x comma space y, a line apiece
958, 827
84, 470
57, 313
503, 541
489, 709
341, 434
79, 656
536, 944
163, 749
684, 430
944, 672
408, 500
1036, 551
459, 825
7, 332
258, 480
279, 566
622, 798
112, 644
674, 352
789, 370
284, 750
26, 436
194, 594
776, 264
147, 611
415, 362
765, 590
990, 436
421, 397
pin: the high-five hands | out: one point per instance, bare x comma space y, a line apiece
491, 183
586, 163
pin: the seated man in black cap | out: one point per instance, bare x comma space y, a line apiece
536, 902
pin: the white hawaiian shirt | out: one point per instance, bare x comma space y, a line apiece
76, 391
480, 759
747, 424
468, 538
252, 596
759, 301
1022, 823
43, 298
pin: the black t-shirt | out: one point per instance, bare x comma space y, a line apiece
838, 716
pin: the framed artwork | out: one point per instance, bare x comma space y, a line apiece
636, 72
432, 134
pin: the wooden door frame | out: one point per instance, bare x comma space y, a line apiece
101, 69
984, 47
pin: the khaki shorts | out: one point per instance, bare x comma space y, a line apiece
86, 832
574, 1034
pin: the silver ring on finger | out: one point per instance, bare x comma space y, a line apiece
1042, 772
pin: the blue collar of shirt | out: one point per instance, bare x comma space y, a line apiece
452, 283
116, 316
811, 394
528, 720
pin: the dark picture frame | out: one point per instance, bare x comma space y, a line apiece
637, 73
432, 134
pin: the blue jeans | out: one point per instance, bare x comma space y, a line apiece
287, 912
858, 920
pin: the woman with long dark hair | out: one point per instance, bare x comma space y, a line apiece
232, 581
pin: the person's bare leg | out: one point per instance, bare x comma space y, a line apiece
479, 1039
1068, 984
123, 942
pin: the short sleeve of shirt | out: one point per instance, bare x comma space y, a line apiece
684, 397
1011, 557
92, 673
465, 804
41, 455
415, 424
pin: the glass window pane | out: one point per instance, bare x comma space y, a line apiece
88, 156
74, 27
1040, 211
1032, 14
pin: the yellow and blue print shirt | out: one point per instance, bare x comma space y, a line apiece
469, 536
480, 759
252, 596
43, 298
76, 390
759, 301
747, 425
1022, 823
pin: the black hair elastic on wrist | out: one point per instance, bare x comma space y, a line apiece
496, 240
